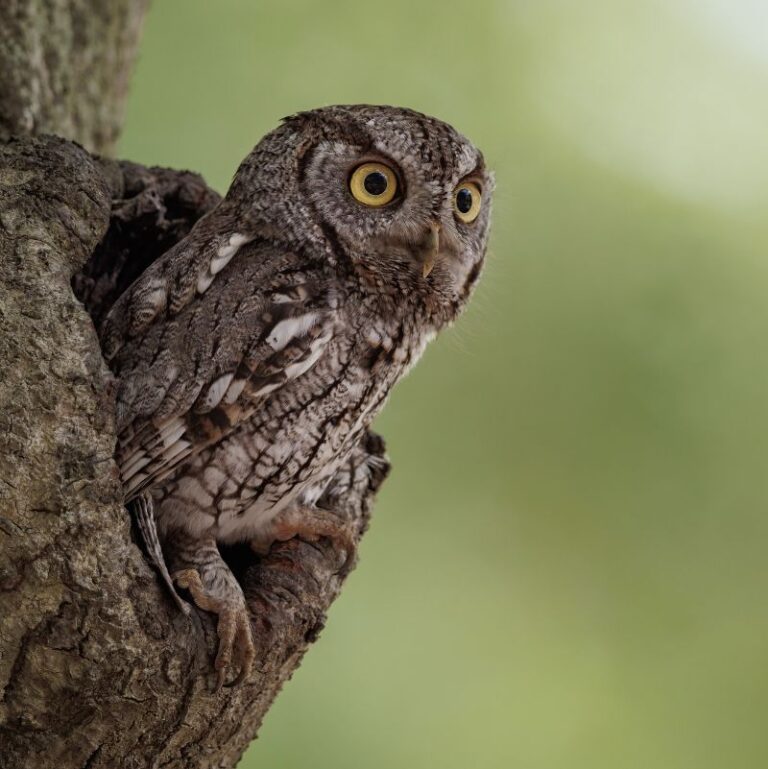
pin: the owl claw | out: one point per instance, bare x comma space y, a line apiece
233, 627
310, 524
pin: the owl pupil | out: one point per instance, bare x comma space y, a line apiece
464, 200
375, 183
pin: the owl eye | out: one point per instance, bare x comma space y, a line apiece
373, 184
466, 201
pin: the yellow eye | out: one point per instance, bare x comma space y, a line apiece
466, 201
373, 184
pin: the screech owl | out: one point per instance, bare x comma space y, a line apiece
252, 357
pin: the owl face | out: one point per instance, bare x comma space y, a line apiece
407, 197
404, 197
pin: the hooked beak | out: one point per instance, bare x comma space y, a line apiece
429, 249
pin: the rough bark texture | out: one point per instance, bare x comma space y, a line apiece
65, 67
97, 666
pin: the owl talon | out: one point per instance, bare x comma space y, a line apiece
311, 525
233, 627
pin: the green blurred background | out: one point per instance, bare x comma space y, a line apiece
567, 566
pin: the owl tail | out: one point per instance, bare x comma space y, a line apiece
143, 511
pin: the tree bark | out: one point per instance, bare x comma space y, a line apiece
65, 67
98, 668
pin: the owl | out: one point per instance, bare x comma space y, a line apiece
253, 356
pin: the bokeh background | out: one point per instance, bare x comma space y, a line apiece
567, 567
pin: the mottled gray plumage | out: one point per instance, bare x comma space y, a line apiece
253, 356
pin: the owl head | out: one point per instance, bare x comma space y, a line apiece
400, 199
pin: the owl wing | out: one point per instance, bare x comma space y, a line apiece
169, 284
190, 371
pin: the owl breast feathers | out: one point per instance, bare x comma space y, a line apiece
254, 354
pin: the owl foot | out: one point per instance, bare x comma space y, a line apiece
309, 524
214, 588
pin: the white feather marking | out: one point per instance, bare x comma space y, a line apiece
301, 367
233, 393
237, 239
289, 329
138, 461
298, 293
216, 391
134, 483
311, 494
267, 389
175, 449
156, 297
168, 431
226, 252
222, 259
172, 436
204, 282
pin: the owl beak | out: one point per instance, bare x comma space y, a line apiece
429, 249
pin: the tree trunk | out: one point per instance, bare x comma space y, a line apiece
65, 67
98, 668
